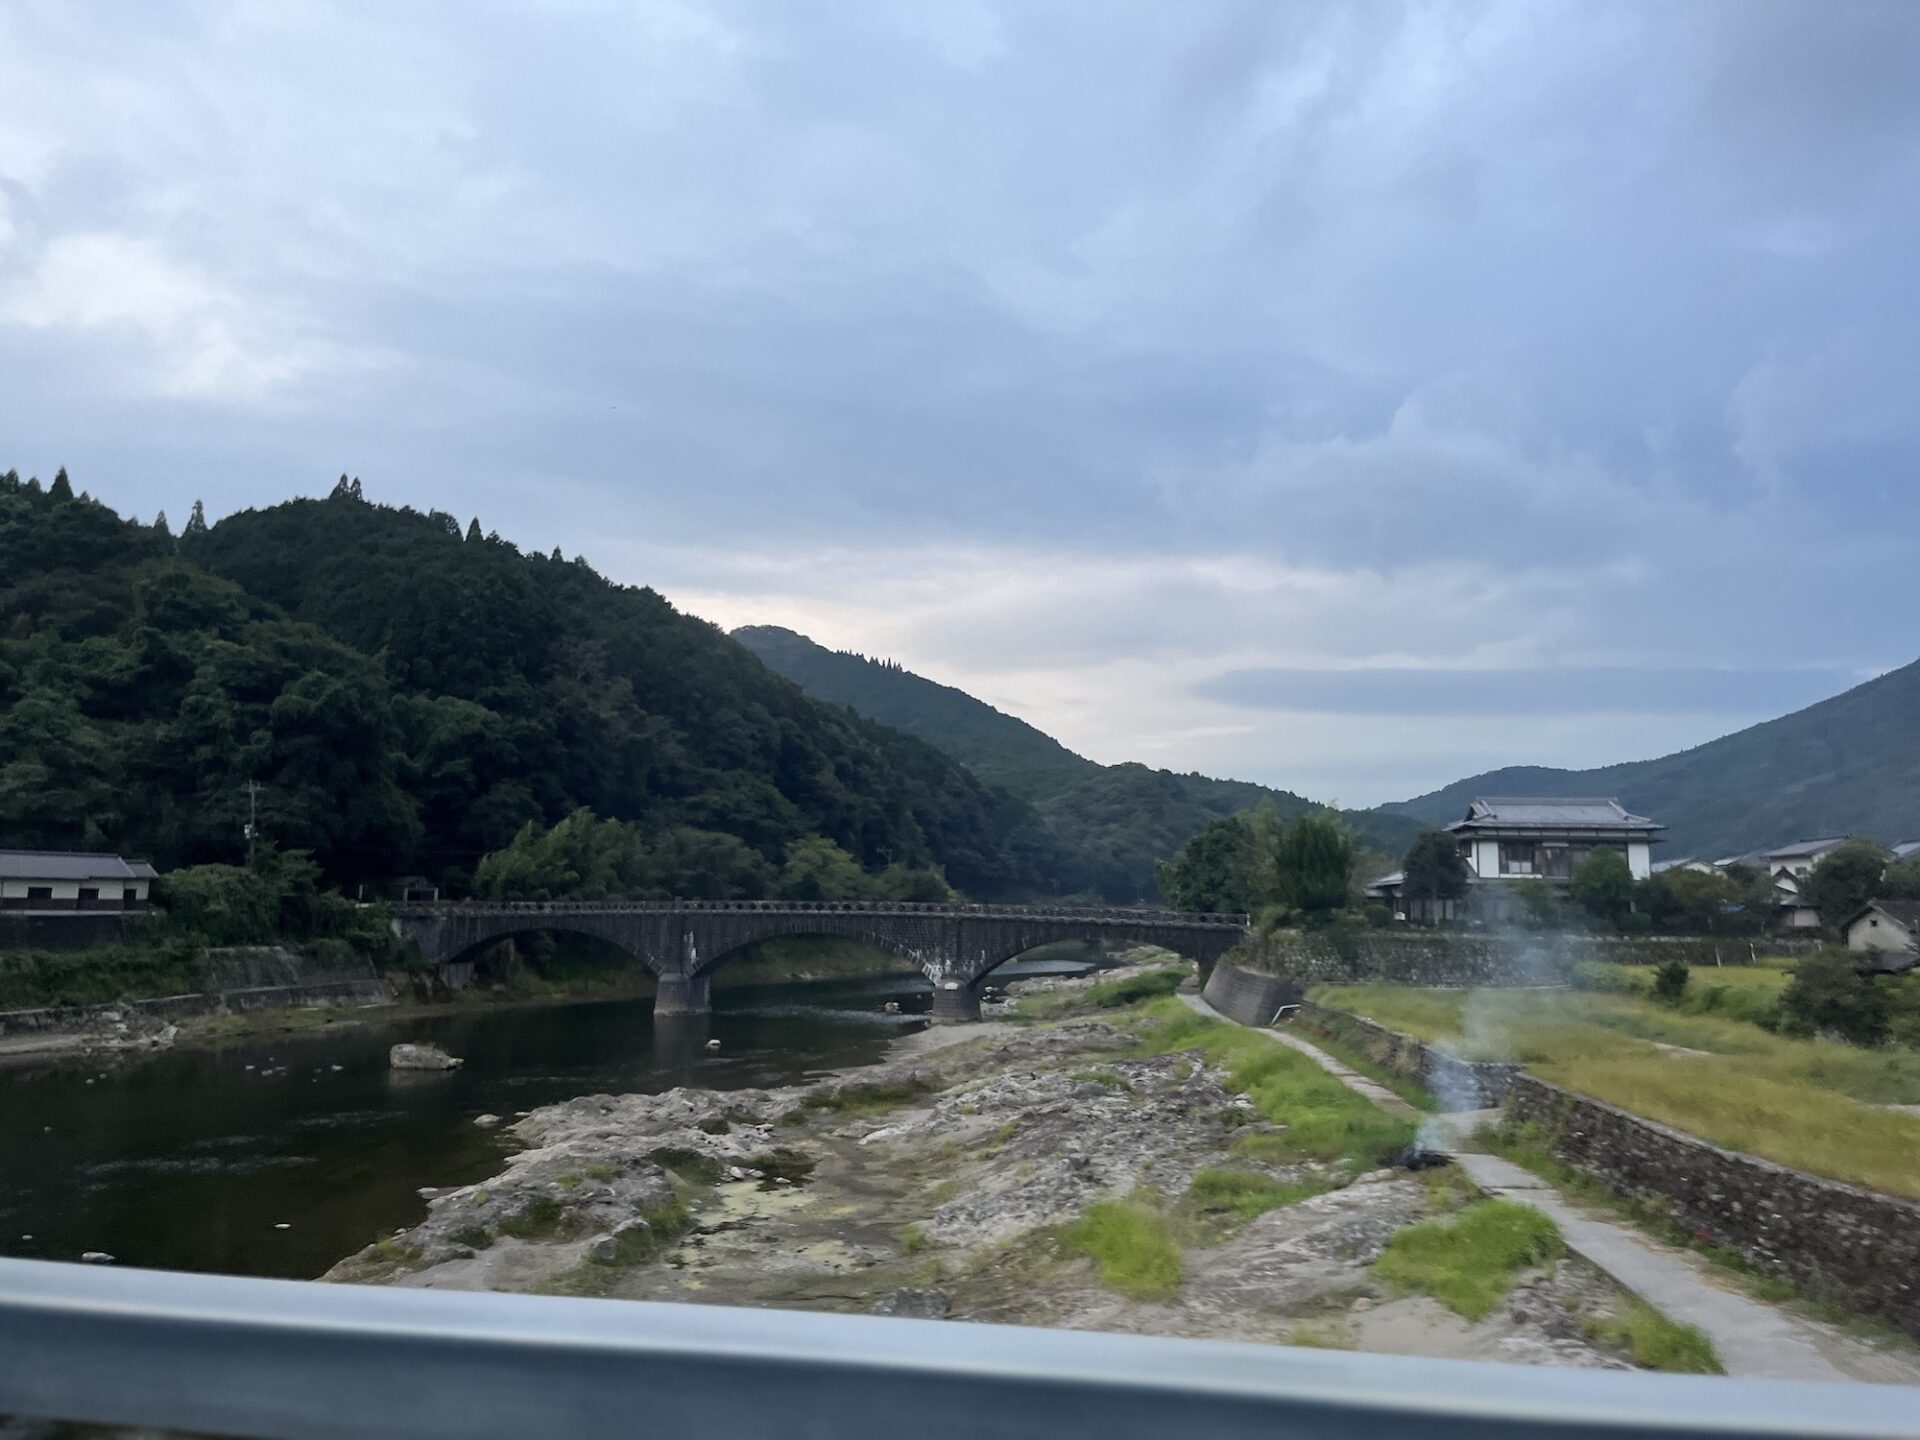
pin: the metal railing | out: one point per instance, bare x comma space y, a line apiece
1110, 915
289, 1360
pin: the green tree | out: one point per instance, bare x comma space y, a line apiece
581, 858
1312, 864
1434, 868
1670, 980
912, 885
196, 523
1603, 885
1830, 996
473, 529
818, 869
1213, 871
1696, 902
1847, 877
1901, 880
62, 488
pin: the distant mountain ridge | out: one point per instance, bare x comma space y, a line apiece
1118, 819
1847, 765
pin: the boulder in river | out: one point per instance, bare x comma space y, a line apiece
421, 1057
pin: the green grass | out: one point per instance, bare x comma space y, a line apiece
871, 1099
1341, 1042
1133, 1246
1151, 985
783, 1162
540, 1220
1242, 1194
689, 1165
1815, 1105
1100, 1077
1469, 1263
1324, 1120
665, 1224
1655, 1342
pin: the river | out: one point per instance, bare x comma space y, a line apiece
279, 1154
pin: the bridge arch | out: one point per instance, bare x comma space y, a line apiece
683, 941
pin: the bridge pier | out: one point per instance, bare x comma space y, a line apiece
955, 1001
683, 995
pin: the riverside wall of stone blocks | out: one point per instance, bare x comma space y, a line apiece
1456, 1083
1838, 1242
1411, 956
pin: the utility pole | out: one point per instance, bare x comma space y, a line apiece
253, 816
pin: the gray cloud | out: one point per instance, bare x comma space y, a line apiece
1058, 347
1546, 690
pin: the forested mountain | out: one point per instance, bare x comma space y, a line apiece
408, 695
999, 748
1119, 820
1849, 765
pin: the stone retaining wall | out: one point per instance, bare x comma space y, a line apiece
1457, 1084
233, 980
1839, 1242
1248, 997
1459, 958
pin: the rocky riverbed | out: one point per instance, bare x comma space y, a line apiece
945, 1182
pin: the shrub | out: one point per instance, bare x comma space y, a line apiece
1670, 980
1829, 995
1470, 1262
1244, 1194
1132, 1245
1135, 988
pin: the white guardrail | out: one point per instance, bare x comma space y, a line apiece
275, 1358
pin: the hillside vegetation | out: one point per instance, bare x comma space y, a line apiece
1849, 765
409, 696
1116, 821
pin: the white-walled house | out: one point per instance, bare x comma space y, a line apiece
1546, 837
1889, 930
61, 882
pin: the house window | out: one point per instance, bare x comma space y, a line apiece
1516, 858
40, 892
130, 897
89, 896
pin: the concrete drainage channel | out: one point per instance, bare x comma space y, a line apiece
1752, 1339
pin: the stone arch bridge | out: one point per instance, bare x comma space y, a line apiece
683, 941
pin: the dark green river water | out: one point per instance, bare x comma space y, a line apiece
192, 1158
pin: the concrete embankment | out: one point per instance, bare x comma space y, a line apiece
237, 981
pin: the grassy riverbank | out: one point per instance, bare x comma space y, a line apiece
1817, 1105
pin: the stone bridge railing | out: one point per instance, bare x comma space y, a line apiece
682, 941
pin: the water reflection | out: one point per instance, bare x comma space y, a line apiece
192, 1158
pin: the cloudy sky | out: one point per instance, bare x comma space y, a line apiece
1348, 397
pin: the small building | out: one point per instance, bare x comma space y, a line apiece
1884, 925
1797, 859
58, 882
1546, 838
1690, 862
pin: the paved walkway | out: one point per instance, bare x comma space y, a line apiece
1751, 1338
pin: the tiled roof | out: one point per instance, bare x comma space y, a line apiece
1800, 849
1546, 810
1905, 912
70, 865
